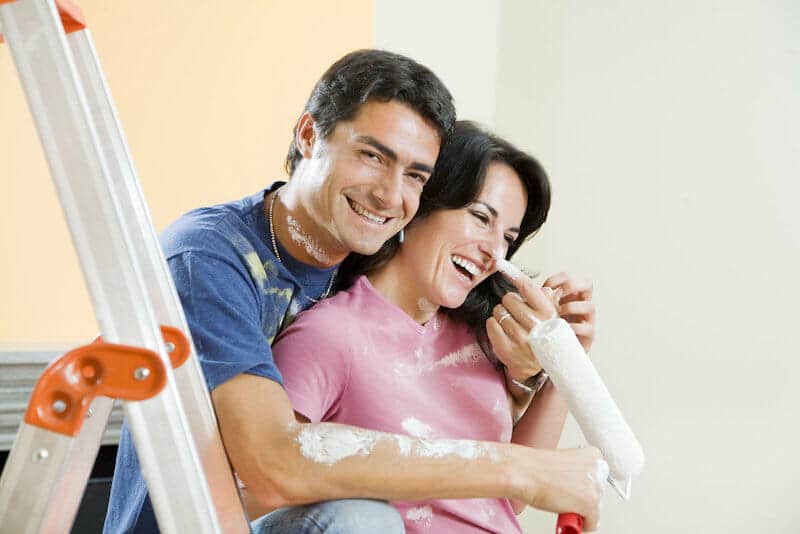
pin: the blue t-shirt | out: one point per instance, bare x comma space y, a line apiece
237, 296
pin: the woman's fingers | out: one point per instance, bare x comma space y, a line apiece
527, 316
512, 323
533, 295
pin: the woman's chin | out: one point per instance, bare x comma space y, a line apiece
453, 299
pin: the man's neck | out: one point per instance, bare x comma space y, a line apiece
298, 233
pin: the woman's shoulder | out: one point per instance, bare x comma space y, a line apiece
350, 307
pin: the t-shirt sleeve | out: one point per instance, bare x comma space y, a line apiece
314, 360
224, 316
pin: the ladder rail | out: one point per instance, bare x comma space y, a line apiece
167, 452
159, 285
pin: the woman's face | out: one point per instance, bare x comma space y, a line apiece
451, 251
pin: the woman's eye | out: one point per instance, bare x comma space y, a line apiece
510, 239
480, 216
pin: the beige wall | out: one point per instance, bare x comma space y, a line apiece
207, 93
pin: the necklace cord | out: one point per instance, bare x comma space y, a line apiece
278, 256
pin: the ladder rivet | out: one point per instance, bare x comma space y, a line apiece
40, 455
141, 373
170, 346
89, 413
59, 406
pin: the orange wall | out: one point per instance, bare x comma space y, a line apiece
207, 97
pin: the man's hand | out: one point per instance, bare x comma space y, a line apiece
575, 305
572, 481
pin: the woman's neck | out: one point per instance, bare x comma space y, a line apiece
397, 286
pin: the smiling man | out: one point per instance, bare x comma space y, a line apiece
362, 150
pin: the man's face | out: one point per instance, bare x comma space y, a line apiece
363, 182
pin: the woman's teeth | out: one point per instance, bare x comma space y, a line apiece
366, 214
465, 264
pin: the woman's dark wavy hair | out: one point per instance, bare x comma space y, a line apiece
456, 182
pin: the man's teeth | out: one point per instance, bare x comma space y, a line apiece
364, 213
471, 268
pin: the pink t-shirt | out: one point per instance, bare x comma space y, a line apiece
358, 359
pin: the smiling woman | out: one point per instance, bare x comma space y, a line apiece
411, 353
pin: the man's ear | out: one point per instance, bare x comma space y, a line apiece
306, 135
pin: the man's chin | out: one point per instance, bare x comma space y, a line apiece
366, 246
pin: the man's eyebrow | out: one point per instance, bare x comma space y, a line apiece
494, 213
391, 154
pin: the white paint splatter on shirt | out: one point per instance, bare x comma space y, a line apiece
467, 355
423, 515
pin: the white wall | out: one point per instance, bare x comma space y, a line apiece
670, 131
455, 39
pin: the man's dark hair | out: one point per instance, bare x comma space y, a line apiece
456, 182
367, 75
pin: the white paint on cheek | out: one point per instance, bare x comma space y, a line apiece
330, 444
416, 428
306, 241
423, 515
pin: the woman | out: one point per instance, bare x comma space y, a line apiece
406, 348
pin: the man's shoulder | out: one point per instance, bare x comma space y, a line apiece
214, 229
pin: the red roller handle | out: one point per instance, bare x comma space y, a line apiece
569, 524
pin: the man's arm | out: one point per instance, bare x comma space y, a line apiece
283, 462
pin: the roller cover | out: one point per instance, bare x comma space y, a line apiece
561, 355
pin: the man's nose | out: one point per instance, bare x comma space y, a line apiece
388, 192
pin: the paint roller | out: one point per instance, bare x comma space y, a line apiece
561, 355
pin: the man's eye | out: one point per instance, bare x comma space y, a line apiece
371, 155
421, 178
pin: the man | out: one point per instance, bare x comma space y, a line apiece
363, 149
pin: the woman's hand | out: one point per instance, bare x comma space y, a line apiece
513, 319
575, 305
511, 322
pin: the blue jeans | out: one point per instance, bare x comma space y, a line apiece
345, 516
